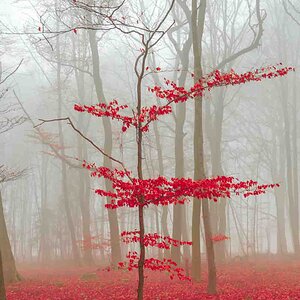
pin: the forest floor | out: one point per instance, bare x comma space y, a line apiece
248, 280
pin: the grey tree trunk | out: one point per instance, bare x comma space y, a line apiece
293, 199
2, 285
112, 214
8, 261
44, 251
199, 172
65, 191
278, 171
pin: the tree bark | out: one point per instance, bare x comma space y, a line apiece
65, 194
9, 266
2, 285
293, 200
112, 214
199, 172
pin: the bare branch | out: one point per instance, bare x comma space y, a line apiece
11, 73
255, 42
69, 122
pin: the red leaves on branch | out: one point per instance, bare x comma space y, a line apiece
215, 79
177, 94
152, 239
163, 191
154, 264
112, 109
219, 238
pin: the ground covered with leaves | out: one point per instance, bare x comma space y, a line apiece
260, 279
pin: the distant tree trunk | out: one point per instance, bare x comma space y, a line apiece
112, 213
84, 189
2, 285
179, 222
84, 201
65, 194
9, 266
199, 173
164, 217
198, 141
295, 156
44, 251
293, 199
278, 171
218, 209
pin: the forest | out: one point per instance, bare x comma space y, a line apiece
149, 149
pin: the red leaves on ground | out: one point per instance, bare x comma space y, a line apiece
262, 279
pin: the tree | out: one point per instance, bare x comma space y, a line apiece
8, 271
138, 192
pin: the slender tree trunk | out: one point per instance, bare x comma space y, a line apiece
2, 285
278, 171
179, 223
199, 173
112, 214
84, 201
295, 158
84, 195
66, 200
44, 229
218, 209
198, 139
293, 200
141, 261
164, 217
9, 266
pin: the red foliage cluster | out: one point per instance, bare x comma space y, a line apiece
163, 191
177, 94
154, 264
112, 109
152, 239
219, 238
215, 79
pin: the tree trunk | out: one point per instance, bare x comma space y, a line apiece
112, 214
293, 199
199, 173
44, 251
164, 216
9, 266
65, 194
218, 209
2, 285
84, 187
278, 171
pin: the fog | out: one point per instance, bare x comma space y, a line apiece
55, 54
